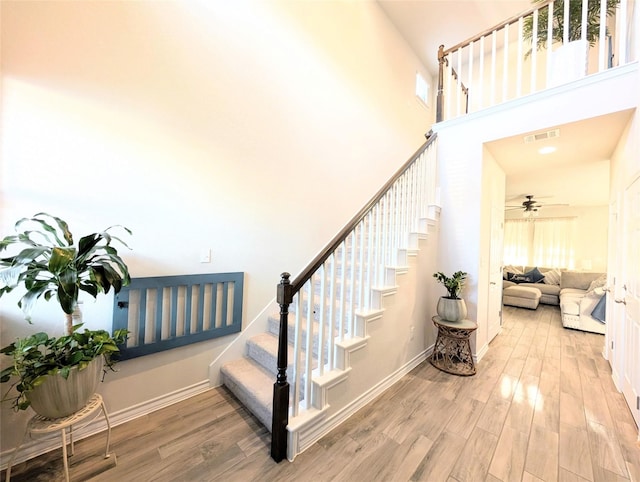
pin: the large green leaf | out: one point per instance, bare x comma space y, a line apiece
45, 231
98, 277
90, 288
10, 277
29, 299
8, 241
113, 276
87, 244
29, 255
61, 259
68, 291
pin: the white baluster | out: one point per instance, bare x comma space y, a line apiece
585, 9
343, 288
448, 96
534, 51
332, 313
470, 76
493, 68
352, 281
384, 239
370, 256
459, 82
322, 320
621, 31
549, 40
361, 267
567, 18
519, 60
297, 348
480, 97
602, 55
309, 288
505, 64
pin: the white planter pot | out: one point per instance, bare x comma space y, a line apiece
568, 63
451, 309
58, 397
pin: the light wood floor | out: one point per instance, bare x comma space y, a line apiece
541, 407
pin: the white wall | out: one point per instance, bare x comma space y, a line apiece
460, 160
255, 129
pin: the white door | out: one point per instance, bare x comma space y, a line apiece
629, 296
614, 349
494, 306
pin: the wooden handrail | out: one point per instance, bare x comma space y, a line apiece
497, 27
286, 291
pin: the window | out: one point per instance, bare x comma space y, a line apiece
543, 242
422, 89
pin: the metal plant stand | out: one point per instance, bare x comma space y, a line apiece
38, 425
452, 350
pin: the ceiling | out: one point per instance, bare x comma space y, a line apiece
426, 24
582, 154
583, 148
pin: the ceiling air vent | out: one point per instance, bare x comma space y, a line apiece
541, 136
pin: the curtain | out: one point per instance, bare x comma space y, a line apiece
544, 242
553, 243
517, 242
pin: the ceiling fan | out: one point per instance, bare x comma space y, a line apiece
530, 206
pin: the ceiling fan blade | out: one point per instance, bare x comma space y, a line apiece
524, 197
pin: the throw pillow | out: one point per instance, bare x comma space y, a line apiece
552, 277
599, 282
510, 270
535, 275
521, 278
600, 309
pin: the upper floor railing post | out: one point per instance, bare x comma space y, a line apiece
440, 97
280, 417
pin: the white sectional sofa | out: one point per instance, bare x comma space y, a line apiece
577, 293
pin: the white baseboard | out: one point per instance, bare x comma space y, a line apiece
37, 447
301, 441
481, 353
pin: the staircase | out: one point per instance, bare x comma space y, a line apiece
350, 289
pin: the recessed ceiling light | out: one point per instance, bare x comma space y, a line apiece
547, 150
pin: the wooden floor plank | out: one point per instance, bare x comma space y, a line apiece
542, 406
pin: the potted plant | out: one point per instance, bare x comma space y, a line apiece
51, 371
575, 21
451, 307
40, 360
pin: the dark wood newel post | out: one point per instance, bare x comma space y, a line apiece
440, 97
280, 418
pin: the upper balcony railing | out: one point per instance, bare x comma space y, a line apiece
540, 48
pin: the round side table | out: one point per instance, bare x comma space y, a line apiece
38, 425
452, 350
